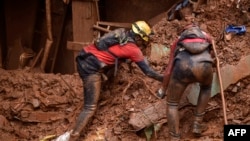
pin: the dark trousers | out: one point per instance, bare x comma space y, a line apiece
88, 67
187, 71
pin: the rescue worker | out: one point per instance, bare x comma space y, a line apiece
191, 60
91, 61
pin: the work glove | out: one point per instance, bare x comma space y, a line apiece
160, 93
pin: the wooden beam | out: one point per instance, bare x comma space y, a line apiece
115, 24
76, 46
49, 40
84, 16
101, 28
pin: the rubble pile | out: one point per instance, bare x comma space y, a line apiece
35, 105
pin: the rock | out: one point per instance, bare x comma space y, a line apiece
35, 103
235, 89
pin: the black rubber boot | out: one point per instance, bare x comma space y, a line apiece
92, 86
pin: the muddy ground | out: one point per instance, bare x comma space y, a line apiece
34, 105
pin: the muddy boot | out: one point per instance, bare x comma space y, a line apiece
83, 120
92, 86
174, 137
203, 99
173, 122
198, 126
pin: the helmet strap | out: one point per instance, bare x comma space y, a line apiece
139, 30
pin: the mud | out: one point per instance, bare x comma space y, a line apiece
34, 105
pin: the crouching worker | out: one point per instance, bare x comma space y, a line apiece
109, 50
190, 61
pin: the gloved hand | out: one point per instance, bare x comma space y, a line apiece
160, 93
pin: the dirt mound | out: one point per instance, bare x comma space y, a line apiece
32, 100
34, 105
213, 17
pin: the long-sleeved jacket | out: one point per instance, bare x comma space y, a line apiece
127, 51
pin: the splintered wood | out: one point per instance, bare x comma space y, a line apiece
152, 114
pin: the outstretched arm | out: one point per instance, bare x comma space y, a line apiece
148, 71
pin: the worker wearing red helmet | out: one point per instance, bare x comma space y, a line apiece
91, 61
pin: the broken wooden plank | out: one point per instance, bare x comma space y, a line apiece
152, 114
39, 116
101, 28
115, 24
76, 46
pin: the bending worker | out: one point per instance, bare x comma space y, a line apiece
190, 61
94, 58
